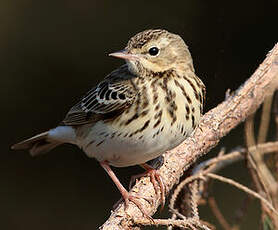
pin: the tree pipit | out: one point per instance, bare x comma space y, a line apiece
145, 107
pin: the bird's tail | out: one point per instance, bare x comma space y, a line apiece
38, 144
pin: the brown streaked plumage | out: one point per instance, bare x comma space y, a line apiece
140, 110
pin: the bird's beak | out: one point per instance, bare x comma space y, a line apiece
124, 55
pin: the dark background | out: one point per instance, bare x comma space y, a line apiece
52, 52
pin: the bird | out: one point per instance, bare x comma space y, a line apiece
144, 108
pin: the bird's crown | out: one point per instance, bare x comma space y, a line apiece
156, 50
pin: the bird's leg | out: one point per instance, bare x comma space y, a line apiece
125, 194
154, 177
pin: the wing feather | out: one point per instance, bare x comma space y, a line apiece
114, 93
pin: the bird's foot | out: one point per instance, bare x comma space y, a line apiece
127, 197
156, 180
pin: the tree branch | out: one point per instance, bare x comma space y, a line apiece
215, 124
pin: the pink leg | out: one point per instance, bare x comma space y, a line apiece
154, 177
126, 196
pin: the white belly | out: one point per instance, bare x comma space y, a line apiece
122, 151
105, 144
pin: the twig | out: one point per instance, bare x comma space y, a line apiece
243, 188
215, 124
180, 187
214, 165
237, 155
194, 199
215, 209
254, 159
265, 118
262, 176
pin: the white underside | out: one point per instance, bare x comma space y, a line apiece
119, 151
127, 151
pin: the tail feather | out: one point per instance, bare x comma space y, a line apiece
42, 148
38, 144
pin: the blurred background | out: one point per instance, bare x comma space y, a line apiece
52, 52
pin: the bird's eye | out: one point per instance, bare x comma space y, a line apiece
153, 51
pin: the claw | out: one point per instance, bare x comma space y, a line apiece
155, 178
127, 197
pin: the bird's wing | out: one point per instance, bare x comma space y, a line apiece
108, 98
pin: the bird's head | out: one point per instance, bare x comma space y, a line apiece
155, 51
